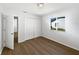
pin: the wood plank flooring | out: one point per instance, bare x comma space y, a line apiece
39, 46
16, 36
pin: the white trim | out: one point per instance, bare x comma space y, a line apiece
27, 39
61, 43
20, 41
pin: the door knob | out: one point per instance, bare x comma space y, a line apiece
11, 33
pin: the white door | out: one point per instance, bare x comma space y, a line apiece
9, 31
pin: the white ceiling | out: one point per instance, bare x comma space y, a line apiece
32, 7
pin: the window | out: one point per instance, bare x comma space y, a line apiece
58, 23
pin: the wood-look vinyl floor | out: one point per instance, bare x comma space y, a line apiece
16, 36
39, 46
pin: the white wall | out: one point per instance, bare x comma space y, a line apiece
3, 30
0, 34
71, 36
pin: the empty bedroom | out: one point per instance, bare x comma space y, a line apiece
39, 28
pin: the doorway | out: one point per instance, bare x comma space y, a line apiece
15, 29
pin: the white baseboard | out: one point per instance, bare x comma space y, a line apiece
27, 39
60, 42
